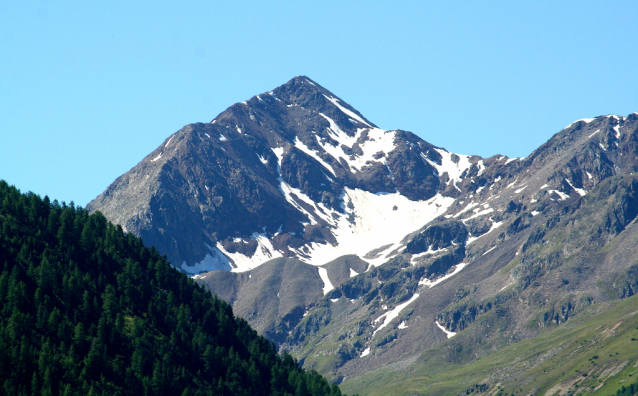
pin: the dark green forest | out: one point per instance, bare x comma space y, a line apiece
630, 390
87, 309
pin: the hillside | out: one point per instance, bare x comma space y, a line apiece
594, 354
86, 309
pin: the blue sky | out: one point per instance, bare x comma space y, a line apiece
87, 89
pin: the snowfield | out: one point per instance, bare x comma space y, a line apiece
376, 223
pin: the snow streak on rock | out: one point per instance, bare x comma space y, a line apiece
391, 315
264, 252
327, 285
449, 334
430, 283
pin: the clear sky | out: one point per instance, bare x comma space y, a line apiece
87, 89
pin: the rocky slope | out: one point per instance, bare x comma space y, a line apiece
388, 246
295, 172
511, 266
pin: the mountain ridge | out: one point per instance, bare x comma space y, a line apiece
402, 244
307, 164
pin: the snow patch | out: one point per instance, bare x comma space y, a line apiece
489, 250
264, 252
415, 257
429, 283
279, 152
353, 273
366, 352
294, 195
222, 138
301, 146
327, 285
468, 207
513, 159
617, 130
561, 194
211, 262
453, 169
481, 168
378, 140
580, 191
402, 325
156, 158
449, 334
478, 213
391, 315
494, 226
350, 113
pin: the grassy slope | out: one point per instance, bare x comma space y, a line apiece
556, 362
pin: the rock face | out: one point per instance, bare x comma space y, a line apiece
295, 172
355, 247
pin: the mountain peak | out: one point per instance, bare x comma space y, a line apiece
300, 83
285, 173
297, 187
297, 172
301, 92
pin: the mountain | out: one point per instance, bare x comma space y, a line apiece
295, 172
361, 251
86, 309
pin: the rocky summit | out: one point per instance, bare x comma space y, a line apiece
295, 172
376, 257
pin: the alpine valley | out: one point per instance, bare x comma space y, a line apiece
393, 266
